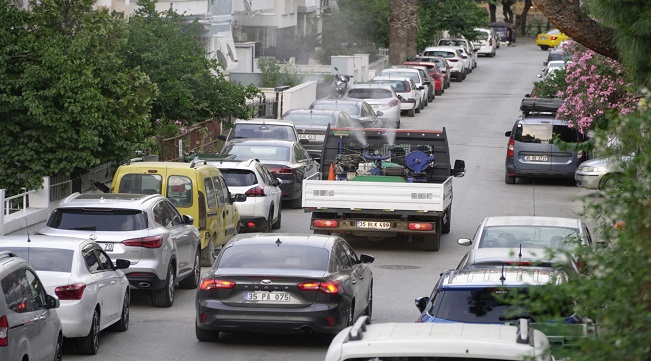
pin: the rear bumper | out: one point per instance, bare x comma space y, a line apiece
252, 224
511, 170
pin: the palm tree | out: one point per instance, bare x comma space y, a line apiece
403, 33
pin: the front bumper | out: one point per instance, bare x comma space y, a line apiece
587, 180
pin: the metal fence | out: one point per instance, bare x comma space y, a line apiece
201, 138
62, 185
265, 108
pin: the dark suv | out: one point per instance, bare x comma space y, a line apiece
531, 151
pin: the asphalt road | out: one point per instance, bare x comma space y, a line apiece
475, 113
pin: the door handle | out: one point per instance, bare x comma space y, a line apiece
100, 286
354, 282
113, 282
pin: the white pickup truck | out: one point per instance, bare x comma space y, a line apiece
383, 183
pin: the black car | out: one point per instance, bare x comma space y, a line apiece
285, 159
284, 283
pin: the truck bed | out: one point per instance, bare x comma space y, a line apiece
351, 195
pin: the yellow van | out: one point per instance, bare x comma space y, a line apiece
196, 189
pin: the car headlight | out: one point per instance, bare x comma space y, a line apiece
589, 169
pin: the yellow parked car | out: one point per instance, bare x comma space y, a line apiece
196, 189
550, 39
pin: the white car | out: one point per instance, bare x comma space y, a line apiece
92, 290
486, 43
551, 68
453, 56
382, 98
406, 89
413, 74
261, 212
462, 43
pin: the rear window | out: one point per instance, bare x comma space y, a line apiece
141, 184
448, 42
100, 219
261, 152
445, 54
545, 133
399, 86
528, 237
369, 93
351, 109
310, 119
41, 258
411, 75
238, 177
272, 256
263, 131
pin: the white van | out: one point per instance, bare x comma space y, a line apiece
486, 42
417, 341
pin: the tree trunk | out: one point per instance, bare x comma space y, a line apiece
403, 33
492, 10
523, 18
506, 11
568, 17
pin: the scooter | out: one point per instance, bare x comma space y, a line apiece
340, 84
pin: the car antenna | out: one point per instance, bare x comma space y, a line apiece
278, 242
533, 195
502, 278
520, 254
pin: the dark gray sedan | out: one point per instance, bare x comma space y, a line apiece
289, 283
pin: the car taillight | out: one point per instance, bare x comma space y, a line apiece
4, 331
211, 283
490, 41
328, 223
581, 265
510, 147
283, 170
146, 242
70, 292
331, 287
553, 38
255, 192
420, 226
394, 102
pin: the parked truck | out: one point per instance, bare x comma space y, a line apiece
381, 183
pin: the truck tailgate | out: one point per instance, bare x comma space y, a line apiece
426, 197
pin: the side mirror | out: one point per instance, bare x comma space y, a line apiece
527, 95
544, 63
539, 76
188, 220
365, 258
379, 113
464, 57
507, 134
464, 242
459, 169
122, 263
238, 198
277, 182
303, 141
421, 87
421, 303
51, 302
221, 137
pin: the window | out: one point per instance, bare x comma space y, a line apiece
104, 260
219, 192
210, 193
179, 191
41, 258
12, 287
100, 219
90, 258
225, 191
36, 290
141, 184
533, 133
238, 177
342, 257
162, 215
350, 253
273, 256
176, 219
369, 93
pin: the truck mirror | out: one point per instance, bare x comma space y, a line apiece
459, 169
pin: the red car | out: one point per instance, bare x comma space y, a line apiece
434, 72
444, 66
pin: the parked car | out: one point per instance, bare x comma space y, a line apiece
601, 173
407, 92
398, 341
525, 257
531, 151
312, 124
285, 159
357, 109
500, 30
434, 73
196, 189
551, 68
529, 232
147, 230
428, 81
486, 43
413, 74
381, 97
454, 57
557, 55
443, 65
93, 292
262, 209
261, 128
550, 39
30, 328
467, 46
298, 283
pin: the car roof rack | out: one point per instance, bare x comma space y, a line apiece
5, 254
356, 332
540, 105
524, 332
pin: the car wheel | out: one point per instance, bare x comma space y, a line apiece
123, 323
464, 76
164, 297
270, 220
447, 221
58, 347
433, 241
278, 222
439, 92
508, 179
544, 47
298, 202
204, 335
411, 113
90, 344
192, 281
369, 303
351, 314
418, 108
432, 97
208, 253
610, 183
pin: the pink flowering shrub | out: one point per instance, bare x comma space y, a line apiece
595, 87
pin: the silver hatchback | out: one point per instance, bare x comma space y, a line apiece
163, 247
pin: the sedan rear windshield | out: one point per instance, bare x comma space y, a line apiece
100, 219
528, 237
261, 152
310, 119
399, 86
413, 76
275, 257
352, 109
370, 93
264, 131
42, 258
238, 177
442, 53
141, 184
545, 133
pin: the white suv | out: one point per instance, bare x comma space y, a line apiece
454, 57
420, 341
261, 211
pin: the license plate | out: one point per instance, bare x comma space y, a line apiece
107, 247
307, 136
267, 296
373, 225
543, 38
535, 158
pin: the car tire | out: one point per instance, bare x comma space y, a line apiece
208, 253
58, 348
298, 202
192, 281
508, 179
544, 47
439, 92
610, 182
278, 221
164, 297
89, 345
447, 223
417, 110
350, 318
270, 220
433, 241
205, 335
411, 113
432, 97
123, 323
369, 302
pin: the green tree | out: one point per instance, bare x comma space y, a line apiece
192, 88
67, 100
458, 17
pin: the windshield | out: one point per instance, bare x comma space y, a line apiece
104, 219
528, 237
370, 93
264, 131
306, 119
261, 152
272, 256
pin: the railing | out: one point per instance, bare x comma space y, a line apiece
10, 206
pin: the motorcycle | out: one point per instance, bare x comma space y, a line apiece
340, 84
